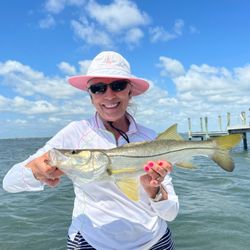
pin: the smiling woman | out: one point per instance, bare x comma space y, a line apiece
103, 217
111, 105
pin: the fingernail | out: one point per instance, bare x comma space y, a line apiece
160, 163
146, 168
151, 164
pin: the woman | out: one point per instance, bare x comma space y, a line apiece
103, 217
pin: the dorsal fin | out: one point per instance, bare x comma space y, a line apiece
170, 134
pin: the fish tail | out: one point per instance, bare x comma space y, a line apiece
221, 156
228, 141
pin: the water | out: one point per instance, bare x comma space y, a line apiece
32, 220
214, 206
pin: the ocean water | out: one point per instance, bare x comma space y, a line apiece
214, 205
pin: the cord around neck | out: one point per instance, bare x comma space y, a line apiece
122, 133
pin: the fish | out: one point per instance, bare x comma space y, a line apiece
124, 164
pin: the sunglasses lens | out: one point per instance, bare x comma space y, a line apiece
98, 88
116, 86
119, 85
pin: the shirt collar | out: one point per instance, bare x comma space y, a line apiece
98, 123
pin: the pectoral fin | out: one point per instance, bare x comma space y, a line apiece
184, 164
130, 187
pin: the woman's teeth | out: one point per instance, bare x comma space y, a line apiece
110, 106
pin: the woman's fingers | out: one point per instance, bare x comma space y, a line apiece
158, 170
167, 166
44, 172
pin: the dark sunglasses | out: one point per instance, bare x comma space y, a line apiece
101, 87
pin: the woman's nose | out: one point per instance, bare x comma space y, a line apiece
109, 93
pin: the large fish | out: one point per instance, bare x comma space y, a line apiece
125, 164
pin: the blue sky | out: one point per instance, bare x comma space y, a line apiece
195, 54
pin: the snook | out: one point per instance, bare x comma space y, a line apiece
125, 164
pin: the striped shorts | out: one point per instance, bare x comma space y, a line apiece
79, 243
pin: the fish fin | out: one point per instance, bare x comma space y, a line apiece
130, 187
221, 156
224, 160
228, 141
170, 134
122, 170
184, 164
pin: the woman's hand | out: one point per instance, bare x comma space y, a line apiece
156, 172
43, 172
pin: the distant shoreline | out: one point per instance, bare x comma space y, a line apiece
26, 138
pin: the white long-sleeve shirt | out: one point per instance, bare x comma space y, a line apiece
105, 217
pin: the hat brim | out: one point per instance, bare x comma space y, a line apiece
139, 85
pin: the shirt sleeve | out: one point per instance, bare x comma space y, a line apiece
167, 209
20, 178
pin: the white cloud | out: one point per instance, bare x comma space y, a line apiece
47, 22
54, 119
204, 90
3, 103
200, 90
56, 6
204, 78
133, 36
170, 67
89, 33
20, 121
155, 108
159, 33
67, 68
84, 66
118, 16
60, 109
24, 106
243, 76
28, 82
101, 24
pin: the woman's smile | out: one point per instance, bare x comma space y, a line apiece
111, 105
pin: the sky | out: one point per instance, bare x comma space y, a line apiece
195, 54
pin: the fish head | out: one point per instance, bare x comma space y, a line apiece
82, 166
63, 157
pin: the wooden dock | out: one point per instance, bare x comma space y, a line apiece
203, 135
230, 130
206, 134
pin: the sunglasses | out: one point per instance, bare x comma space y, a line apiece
101, 87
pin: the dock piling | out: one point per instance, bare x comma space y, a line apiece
245, 140
206, 127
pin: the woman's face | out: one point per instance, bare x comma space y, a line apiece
110, 105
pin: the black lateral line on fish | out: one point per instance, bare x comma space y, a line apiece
168, 152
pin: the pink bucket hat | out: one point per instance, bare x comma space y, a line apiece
109, 64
